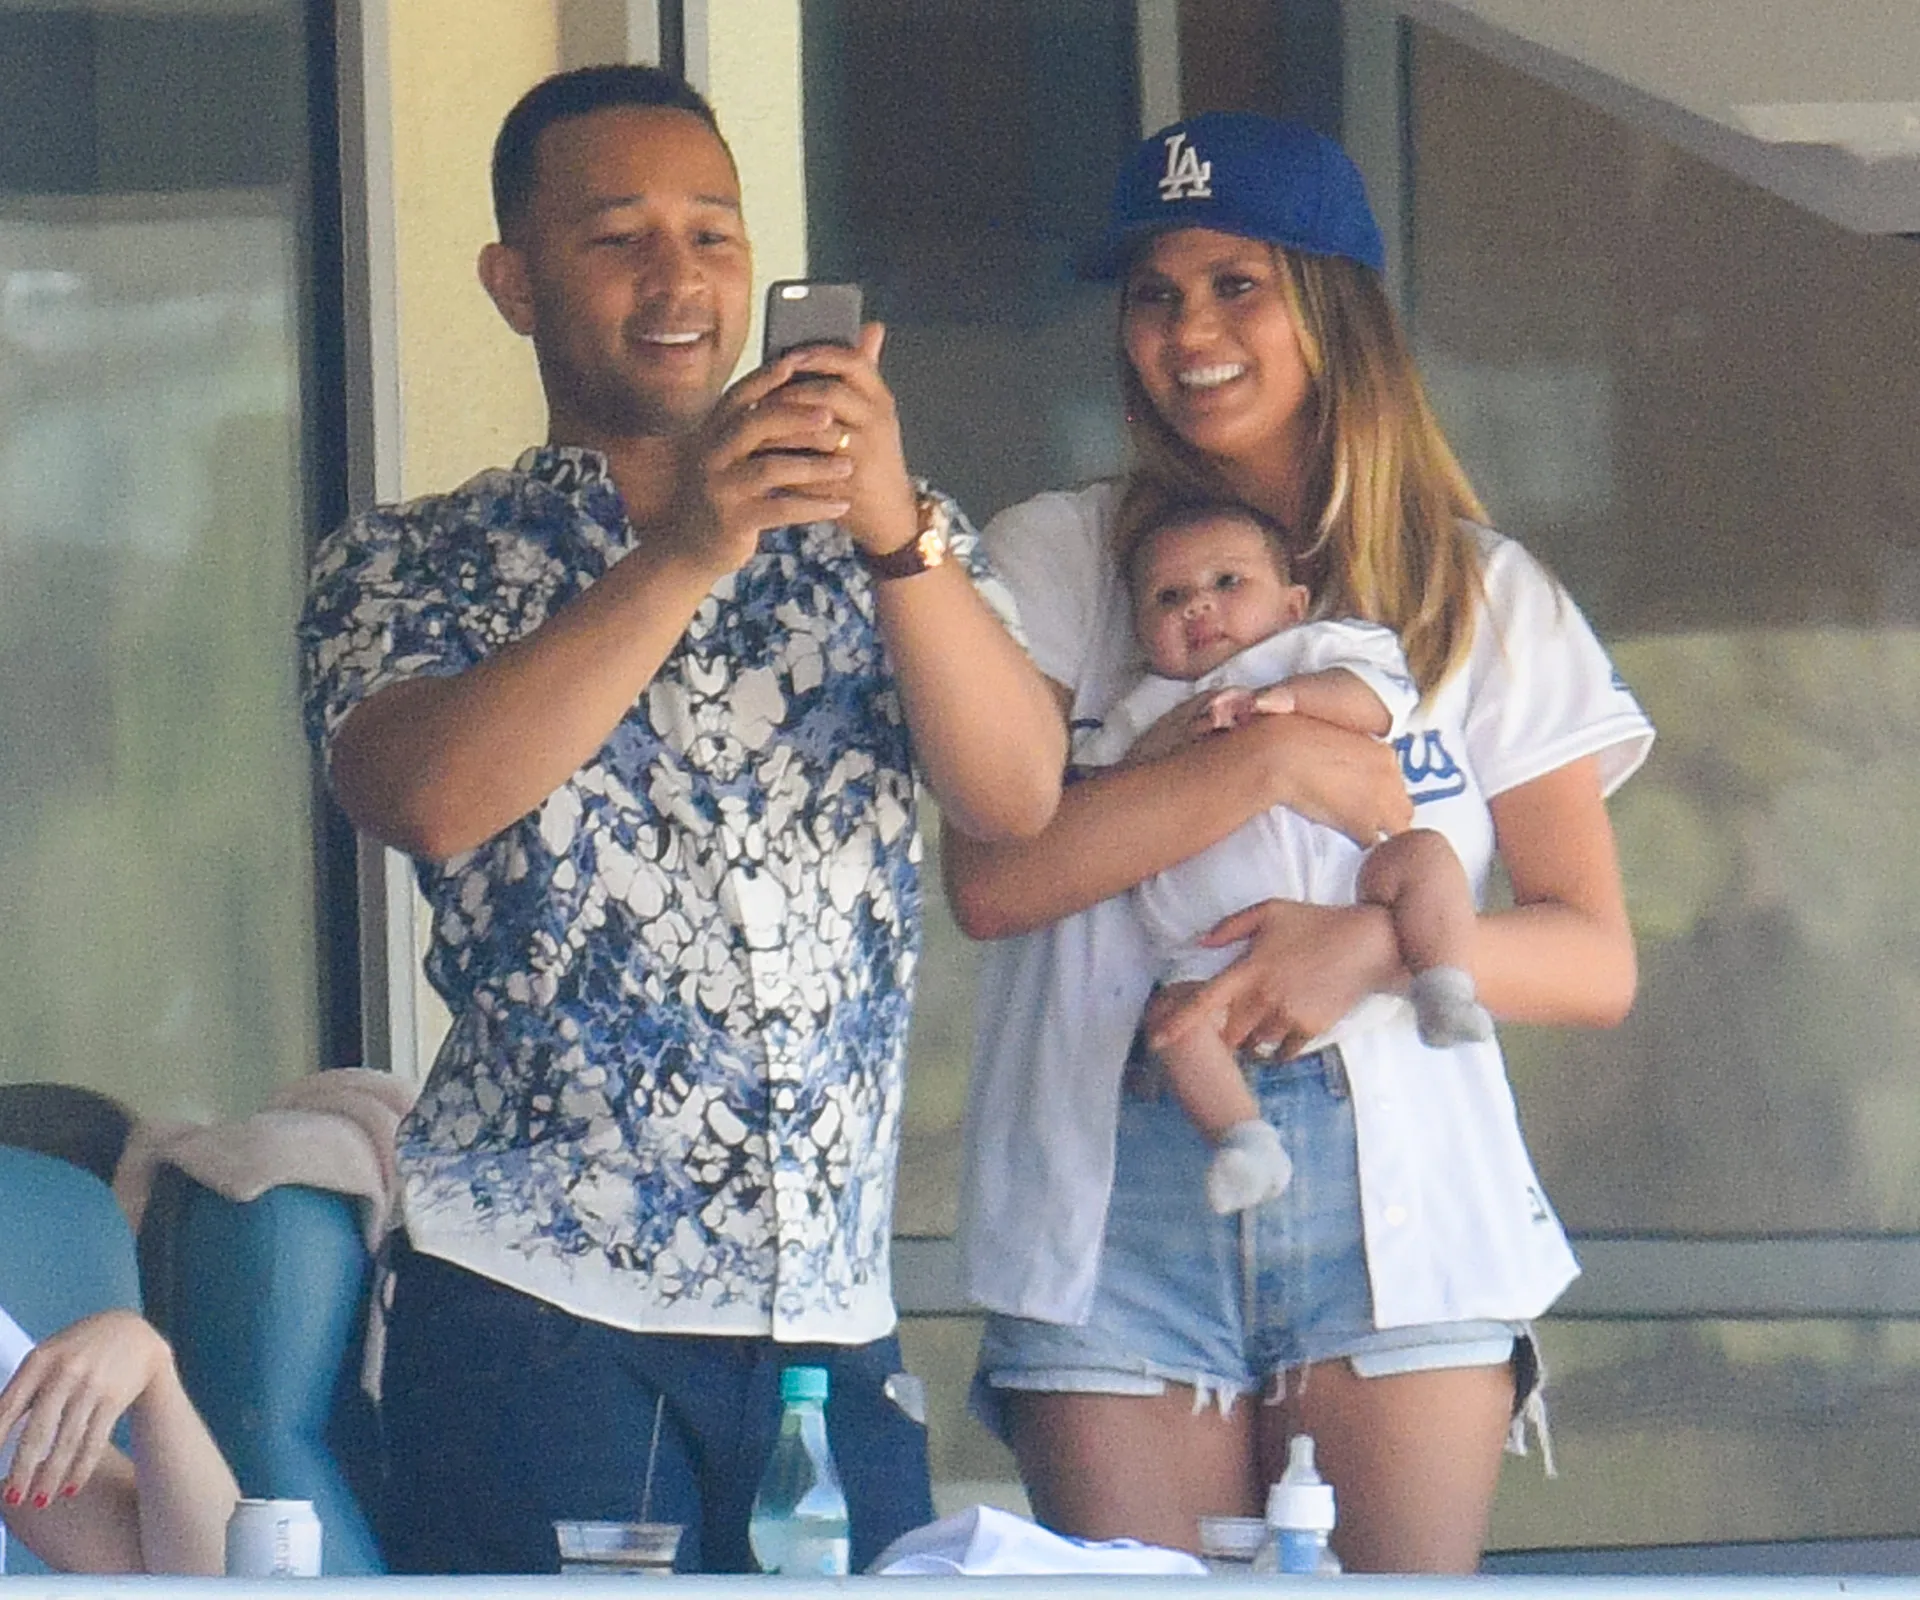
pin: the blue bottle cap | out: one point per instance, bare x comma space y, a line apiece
803, 1383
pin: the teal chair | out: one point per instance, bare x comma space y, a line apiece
266, 1305
65, 1252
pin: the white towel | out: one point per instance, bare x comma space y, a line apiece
983, 1540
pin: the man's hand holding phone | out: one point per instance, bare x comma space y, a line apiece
802, 313
824, 358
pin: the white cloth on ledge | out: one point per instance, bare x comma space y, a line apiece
986, 1541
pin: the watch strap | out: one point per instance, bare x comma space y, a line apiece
927, 549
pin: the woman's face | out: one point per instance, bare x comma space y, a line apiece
1208, 330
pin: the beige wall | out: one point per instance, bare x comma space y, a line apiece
469, 396
468, 392
751, 74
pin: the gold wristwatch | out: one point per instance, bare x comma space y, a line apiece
926, 550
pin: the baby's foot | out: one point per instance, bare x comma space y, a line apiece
1249, 1167
1447, 1009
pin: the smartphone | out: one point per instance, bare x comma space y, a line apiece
801, 312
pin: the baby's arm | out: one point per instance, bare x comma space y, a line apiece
1214, 711
1334, 695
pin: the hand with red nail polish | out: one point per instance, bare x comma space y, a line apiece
163, 1508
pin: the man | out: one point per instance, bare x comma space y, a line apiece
647, 710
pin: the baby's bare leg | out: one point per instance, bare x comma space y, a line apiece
1417, 877
1206, 1078
1250, 1165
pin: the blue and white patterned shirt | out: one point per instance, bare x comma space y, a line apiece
671, 1096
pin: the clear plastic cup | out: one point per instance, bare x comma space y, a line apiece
1230, 1544
632, 1548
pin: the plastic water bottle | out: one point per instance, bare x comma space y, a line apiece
1300, 1516
799, 1522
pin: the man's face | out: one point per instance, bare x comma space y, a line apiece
634, 274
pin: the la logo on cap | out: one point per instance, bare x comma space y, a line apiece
1187, 176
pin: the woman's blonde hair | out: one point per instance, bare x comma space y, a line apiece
1382, 496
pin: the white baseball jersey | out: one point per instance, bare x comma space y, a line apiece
1279, 855
1456, 1223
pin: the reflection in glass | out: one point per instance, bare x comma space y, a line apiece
1698, 405
1683, 1432
155, 843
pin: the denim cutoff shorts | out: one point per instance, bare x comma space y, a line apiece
1230, 1304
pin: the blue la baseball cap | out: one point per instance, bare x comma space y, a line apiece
1238, 172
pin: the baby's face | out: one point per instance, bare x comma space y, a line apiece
1205, 590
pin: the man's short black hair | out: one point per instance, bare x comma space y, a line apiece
574, 94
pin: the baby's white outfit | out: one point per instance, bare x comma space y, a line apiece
1278, 855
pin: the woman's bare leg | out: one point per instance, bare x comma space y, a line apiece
1108, 1466
1414, 1459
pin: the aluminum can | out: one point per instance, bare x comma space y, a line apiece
273, 1539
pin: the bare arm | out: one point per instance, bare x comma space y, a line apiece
436, 766
987, 733
1335, 695
1564, 953
1124, 824
75, 1500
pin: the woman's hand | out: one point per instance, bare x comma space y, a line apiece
66, 1398
1305, 968
1348, 781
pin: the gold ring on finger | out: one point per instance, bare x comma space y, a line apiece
845, 439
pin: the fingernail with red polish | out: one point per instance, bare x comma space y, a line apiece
70, 1491
41, 1502
14, 1497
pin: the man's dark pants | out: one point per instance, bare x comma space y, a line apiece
503, 1412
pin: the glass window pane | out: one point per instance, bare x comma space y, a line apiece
1698, 404
155, 842
961, 197
1682, 1432
970, 1466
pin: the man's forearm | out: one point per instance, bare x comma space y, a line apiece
435, 766
986, 729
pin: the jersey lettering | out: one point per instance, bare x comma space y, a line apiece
1187, 176
1431, 773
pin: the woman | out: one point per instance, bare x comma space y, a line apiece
74, 1499
1383, 1303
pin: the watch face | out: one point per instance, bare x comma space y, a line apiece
925, 550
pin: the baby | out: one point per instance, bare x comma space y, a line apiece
1223, 629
